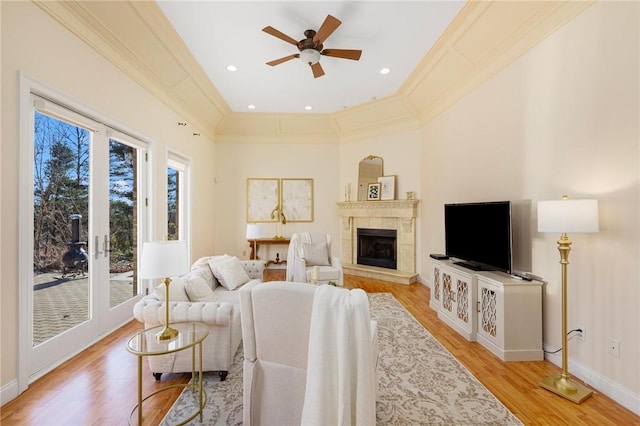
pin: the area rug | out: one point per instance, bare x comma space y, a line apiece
420, 382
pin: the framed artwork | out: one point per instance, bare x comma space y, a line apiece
297, 199
387, 187
263, 196
373, 192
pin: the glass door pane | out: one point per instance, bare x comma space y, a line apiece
123, 220
61, 211
173, 206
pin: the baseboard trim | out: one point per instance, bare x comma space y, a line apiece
8, 392
602, 384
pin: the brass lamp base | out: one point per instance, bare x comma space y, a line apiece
167, 333
566, 388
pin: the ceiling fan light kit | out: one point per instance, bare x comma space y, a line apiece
311, 48
310, 56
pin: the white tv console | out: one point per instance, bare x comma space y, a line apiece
502, 313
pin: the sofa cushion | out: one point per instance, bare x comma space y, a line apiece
230, 273
223, 295
205, 263
315, 254
197, 285
177, 291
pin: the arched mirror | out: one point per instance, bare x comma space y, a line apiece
369, 170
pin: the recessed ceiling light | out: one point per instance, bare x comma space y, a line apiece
308, 107
385, 71
251, 106
232, 68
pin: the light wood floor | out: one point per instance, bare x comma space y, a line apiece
99, 386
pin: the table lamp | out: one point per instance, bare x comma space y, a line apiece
254, 231
564, 216
164, 259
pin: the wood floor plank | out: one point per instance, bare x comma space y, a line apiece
99, 386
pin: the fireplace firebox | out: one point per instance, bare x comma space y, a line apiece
377, 247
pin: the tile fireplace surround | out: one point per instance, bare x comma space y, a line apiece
399, 215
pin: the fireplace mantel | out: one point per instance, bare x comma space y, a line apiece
399, 208
397, 214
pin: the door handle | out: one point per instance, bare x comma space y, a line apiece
96, 247
106, 246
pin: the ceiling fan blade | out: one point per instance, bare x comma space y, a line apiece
342, 53
282, 36
317, 70
281, 60
328, 26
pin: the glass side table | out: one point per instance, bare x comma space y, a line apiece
191, 335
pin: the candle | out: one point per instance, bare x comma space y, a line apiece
316, 272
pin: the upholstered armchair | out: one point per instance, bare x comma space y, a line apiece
310, 355
309, 254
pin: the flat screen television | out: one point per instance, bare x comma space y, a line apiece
479, 235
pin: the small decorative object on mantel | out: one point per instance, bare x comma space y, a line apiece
347, 192
373, 192
411, 195
387, 187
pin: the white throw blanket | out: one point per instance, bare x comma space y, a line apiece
295, 251
341, 387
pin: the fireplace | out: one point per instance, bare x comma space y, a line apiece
377, 247
397, 216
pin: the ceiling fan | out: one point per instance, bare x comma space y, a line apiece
311, 48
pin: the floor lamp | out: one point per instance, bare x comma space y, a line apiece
164, 259
565, 216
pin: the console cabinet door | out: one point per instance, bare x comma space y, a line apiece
436, 286
490, 315
457, 299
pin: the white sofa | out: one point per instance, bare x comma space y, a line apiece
218, 308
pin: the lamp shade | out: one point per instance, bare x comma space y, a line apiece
163, 259
566, 215
254, 231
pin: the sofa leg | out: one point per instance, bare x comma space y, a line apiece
223, 375
157, 375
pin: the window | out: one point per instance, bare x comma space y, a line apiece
177, 196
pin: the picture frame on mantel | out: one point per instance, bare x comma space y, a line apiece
373, 192
387, 187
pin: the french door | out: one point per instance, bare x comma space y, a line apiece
87, 184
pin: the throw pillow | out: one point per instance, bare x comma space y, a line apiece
177, 292
230, 273
315, 254
212, 260
197, 286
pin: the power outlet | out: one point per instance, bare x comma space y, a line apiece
614, 347
582, 335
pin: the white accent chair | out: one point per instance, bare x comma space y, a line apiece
306, 250
310, 355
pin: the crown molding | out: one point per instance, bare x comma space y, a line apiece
138, 39
485, 37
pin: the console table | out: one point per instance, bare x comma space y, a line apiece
500, 312
255, 244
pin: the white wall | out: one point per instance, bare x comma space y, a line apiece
563, 119
238, 161
35, 44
